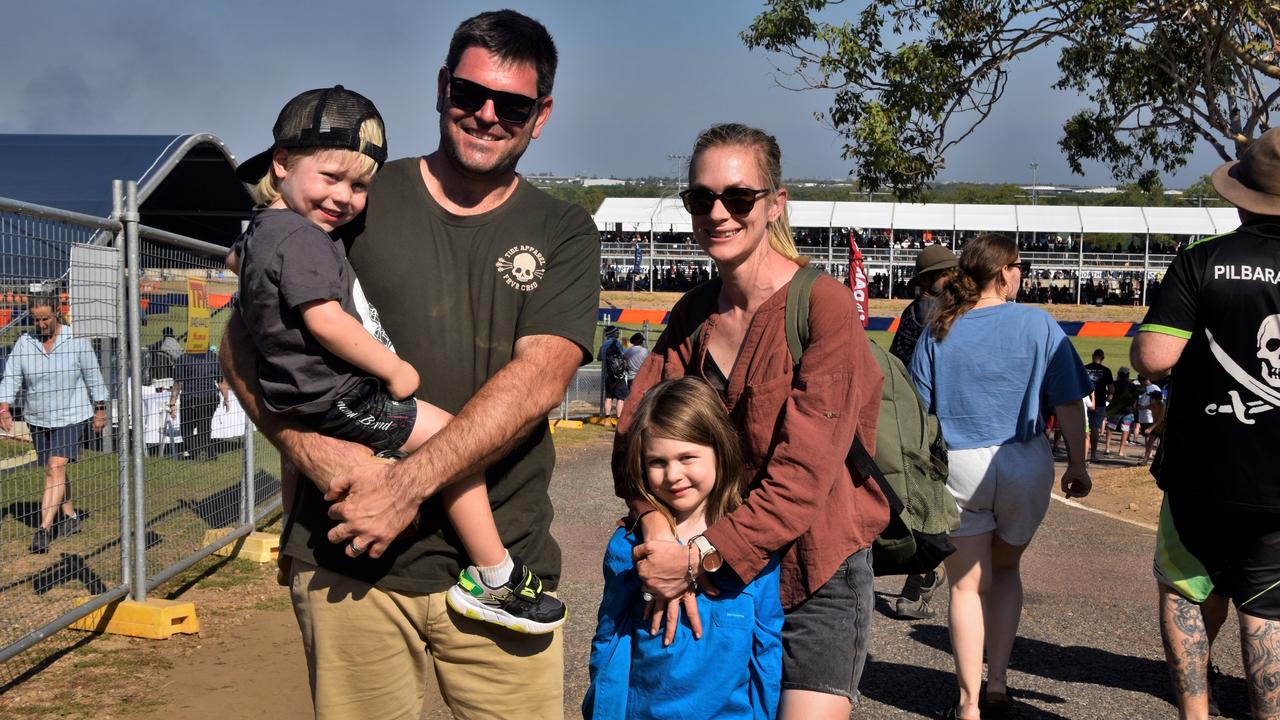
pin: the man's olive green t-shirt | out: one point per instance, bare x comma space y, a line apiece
455, 293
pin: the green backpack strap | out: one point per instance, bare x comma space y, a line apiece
797, 311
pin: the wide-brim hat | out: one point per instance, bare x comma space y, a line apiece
934, 257
1253, 181
322, 118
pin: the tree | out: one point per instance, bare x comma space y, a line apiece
914, 77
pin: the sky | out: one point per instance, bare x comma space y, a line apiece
637, 81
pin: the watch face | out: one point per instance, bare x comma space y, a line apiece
712, 562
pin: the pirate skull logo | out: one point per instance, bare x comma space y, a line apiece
1269, 349
524, 267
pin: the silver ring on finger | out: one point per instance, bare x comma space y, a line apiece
648, 596
356, 549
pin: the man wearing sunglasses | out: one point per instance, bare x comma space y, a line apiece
490, 288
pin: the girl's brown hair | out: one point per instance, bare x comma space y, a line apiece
769, 160
687, 409
980, 263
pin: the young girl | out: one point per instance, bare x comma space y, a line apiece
317, 363
683, 456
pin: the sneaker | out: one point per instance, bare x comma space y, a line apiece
519, 604
40, 541
68, 526
917, 591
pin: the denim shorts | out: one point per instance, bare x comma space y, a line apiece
825, 639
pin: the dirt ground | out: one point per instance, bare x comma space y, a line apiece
247, 628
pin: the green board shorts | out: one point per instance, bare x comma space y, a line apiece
1203, 549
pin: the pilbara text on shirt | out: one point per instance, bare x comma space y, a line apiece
1246, 272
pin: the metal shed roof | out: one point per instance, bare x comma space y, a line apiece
991, 218
873, 215
924, 216
1224, 219
1178, 221
1102, 219
810, 213
632, 213
186, 183
1048, 218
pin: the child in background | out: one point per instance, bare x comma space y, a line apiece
317, 363
1156, 406
684, 457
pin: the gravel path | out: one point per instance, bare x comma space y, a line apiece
1088, 646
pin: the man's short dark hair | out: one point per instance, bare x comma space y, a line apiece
511, 36
637, 339
1099, 354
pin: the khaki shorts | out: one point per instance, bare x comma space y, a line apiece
369, 652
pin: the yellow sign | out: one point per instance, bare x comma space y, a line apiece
197, 316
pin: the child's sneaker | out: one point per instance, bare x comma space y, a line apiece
519, 604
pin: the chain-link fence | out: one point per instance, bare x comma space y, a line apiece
120, 446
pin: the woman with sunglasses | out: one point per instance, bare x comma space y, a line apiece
797, 422
990, 370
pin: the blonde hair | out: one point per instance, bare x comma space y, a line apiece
769, 160
267, 190
688, 410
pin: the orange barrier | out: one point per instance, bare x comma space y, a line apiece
1104, 329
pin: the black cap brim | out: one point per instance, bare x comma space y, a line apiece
251, 171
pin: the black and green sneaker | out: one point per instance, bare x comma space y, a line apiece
519, 604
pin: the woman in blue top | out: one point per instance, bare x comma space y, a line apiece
683, 456
991, 370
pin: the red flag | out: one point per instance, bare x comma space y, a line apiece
858, 281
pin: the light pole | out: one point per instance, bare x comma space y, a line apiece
1035, 185
681, 162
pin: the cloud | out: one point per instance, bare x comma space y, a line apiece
59, 98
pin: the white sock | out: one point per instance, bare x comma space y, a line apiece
499, 574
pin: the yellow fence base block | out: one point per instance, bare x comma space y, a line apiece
254, 547
569, 424
152, 619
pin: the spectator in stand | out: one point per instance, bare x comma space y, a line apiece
64, 389
935, 266
1103, 385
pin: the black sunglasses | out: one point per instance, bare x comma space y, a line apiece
509, 107
1023, 265
737, 200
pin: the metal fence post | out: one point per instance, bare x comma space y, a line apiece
138, 449
123, 414
250, 492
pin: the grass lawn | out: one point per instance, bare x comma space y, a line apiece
183, 500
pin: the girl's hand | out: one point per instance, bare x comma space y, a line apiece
660, 611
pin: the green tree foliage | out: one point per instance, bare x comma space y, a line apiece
914, 77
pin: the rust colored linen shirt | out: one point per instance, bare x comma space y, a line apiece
796, 428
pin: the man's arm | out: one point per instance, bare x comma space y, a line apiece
491, 424
321, 458
1154, 354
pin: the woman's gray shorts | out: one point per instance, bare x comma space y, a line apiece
1003, 488
825, 639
